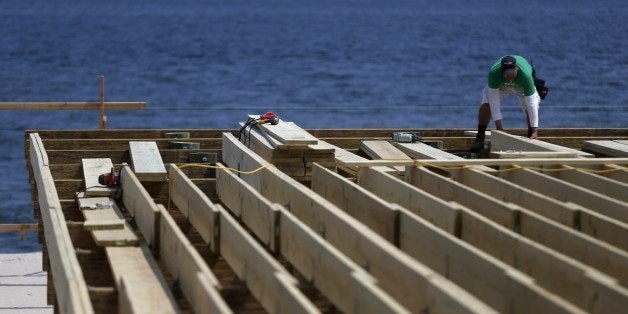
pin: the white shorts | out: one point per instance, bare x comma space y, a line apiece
503, 92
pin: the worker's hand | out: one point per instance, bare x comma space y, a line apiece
535, 133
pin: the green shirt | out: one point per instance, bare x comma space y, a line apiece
523, 80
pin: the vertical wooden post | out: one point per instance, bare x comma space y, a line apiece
103, 118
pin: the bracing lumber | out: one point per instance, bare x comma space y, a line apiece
335, 275
140, 205
260, 215
99, 209
358, 202
195, 205
499, 285
71, 105
560, 274
567, 192
608, 148
502, 141
258, 269
92, 169
184, 262
70, 286
145, 289
147, 162
409, 282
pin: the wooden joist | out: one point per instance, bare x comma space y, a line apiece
412, 284
502, 141
591, 181
70, 287
141, 285
608, 148
140, 205
147, 163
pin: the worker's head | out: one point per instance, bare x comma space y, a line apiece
509, 67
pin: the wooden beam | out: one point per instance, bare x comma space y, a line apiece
260, 215
119, 143
608, 148
384, 150
592, 181
525, 154
499, 285
91, 207
423, 151
375, 213
90, 105
18, 227
486, 162
502, 141
140, 205
92, 169
287, 133
209, 298
396, 273
147, 163
182, 259
144, 287
195, 205
257, 268
567, 192
70, 287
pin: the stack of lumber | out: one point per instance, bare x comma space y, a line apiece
289, 148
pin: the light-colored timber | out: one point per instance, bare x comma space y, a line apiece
92, 169
610, 148
509, 232
147, 162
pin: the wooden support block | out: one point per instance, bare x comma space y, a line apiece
195, 205
184, 262
502, 141
147, 163
257, 268
138, 278
141, 206
286, 133
184, 145
260, 215
177, 135
95, 209
358, 202
69, 284
607, 148
92, 169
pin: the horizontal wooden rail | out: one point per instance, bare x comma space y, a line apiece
18, 227
90, 105
487, 162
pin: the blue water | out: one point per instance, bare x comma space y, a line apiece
321, 64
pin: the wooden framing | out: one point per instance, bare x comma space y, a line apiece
195, 205
409, 282
103, 210
502, 141
140, 205
70, 287
384, 150
185, 263
92, 169
592, 181
609, 148
288, 133
267, 280
147, 163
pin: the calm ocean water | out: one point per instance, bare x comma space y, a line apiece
321, 64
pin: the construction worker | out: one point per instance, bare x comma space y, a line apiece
509, 75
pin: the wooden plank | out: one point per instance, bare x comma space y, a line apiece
505, 214
485, 162
260, 215
424, 151
397, 273
92, 169
417, 201
565, 276
593, 182
208, 298
499, 285
342, 281
344, 156
70, 286
287, 133
383, 150
608, 148
143, 281
526, 154
356, 201
124, 236
567, 192
195, 205
502, 141
140, 205
182, 259
257, 268
147, 163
